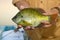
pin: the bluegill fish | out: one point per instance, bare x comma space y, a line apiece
29, 16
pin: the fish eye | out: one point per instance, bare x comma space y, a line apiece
15, 17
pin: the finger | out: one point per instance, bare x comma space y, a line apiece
32, 27
47, 25
45, 22
23, 5
28, 28
45, 14
19, 26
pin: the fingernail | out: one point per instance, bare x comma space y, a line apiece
33, 28
28, 27
22, 7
